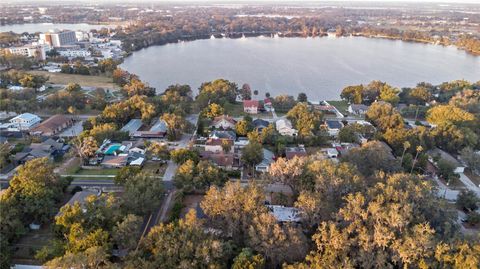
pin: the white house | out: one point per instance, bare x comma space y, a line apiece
73, 53
214, 145
284, 127
284, 214
24, 122
358, 109
224, 122
251, 106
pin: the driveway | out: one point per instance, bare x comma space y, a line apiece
170, 171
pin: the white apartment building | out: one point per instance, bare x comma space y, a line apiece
73, 53
35, 51
59, 38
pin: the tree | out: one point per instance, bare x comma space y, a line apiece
218, 91
246, 92
182, 244
384, 116
93, 257
302, 97
457, 255
389, 94
226, 146
372, 156
353, 94
159, 150
213, 110
252, 154
137, 87
289, 172
246, 260
176, 124
471, 158
449, 114
243, 127
125, 174
127, 232
468, 200
386, 226
4, 155
86, 147
304, 119
37, 189
419, 149
143, 193
446, 170
348, 134
452, 138
233, 207
191, 176
179, 156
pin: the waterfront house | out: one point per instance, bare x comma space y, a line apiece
251, 106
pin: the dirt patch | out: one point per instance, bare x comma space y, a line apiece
191, 201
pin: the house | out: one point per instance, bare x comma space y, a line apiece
284, 214
260, 124
333, 127
327, 109
115, 161
217, 134
267, 105
49, 149
136, 159
251, 106
227, 161
23, 122
268, 159
357, 109
224, 122
52, 126
437, 153
241, 143
332, 153
291, 152
158, 130
132, 126
215, 145
284, 127
80, 198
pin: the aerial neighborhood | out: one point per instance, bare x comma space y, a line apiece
100, 169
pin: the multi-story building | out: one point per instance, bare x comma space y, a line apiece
35, 51
59, 38
73, 53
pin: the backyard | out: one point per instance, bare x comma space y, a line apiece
82, 80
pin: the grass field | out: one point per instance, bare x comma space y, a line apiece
342, 106
234, 110
104, 171
87, 81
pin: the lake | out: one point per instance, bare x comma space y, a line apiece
44, 27
320, 67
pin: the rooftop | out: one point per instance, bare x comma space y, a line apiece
132, 126
284, 214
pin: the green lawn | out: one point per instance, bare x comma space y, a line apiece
234, 110
342, 106
104, 171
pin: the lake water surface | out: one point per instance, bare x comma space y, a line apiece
320, 67
44, 27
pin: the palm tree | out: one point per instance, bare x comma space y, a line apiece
419, 149
406, 146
